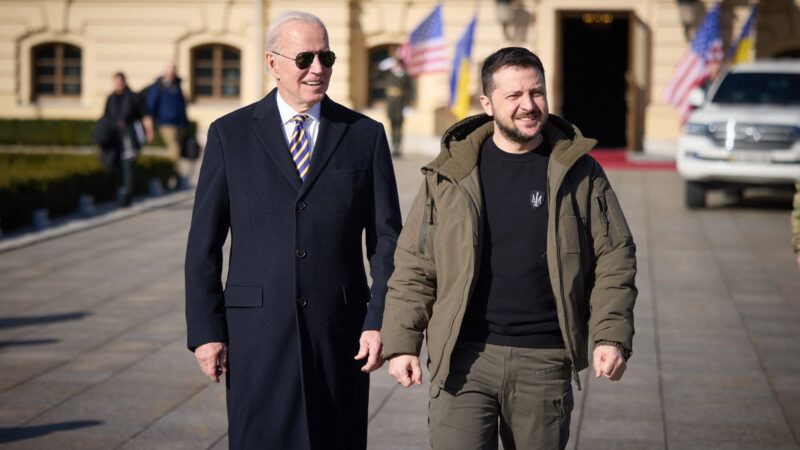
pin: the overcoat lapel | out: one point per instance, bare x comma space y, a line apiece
268, 128
331, 131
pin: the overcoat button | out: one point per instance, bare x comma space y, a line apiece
301, 253
302, 205
302, 302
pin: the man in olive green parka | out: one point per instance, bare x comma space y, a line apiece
514, 256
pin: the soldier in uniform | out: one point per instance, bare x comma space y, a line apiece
398, 89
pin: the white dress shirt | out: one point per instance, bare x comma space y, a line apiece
311, 124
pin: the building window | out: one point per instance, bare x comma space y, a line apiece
216, 72
56, 71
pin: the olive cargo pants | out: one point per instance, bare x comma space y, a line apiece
524, 393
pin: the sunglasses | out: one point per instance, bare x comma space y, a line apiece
304, 59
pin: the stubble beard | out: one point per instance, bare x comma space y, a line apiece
513, 134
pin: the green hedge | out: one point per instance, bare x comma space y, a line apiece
56, 182
66, 132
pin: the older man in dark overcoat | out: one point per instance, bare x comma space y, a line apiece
297, 180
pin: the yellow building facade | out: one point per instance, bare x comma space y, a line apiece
57, 57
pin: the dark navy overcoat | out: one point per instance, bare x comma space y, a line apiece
296, 297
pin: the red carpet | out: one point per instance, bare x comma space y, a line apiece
619, 159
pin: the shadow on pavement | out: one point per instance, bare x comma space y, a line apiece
14, 322
764, 202
182, 206
21, 433
26, 343
757, 199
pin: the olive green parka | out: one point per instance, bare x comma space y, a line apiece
590, 251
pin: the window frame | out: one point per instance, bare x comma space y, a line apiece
59, 62
218, 65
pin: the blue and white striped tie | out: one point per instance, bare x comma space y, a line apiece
298, 146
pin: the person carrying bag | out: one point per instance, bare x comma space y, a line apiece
122, 131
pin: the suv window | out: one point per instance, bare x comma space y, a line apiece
756, 88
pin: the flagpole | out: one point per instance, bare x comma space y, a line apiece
753, 29
744, 49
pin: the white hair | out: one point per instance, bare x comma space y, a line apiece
271, 39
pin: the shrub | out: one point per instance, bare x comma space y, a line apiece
66, 132
56, 182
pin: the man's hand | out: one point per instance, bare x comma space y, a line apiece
370, 347
608, 362
798, 261
213, 359
405, 369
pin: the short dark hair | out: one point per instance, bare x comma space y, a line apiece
508, 56
120, 75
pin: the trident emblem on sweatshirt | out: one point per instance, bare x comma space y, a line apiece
536, 199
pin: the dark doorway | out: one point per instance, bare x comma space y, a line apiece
788, 54
594, 57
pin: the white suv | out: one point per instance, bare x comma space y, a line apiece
747, 135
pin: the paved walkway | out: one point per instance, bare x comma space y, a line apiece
92, 337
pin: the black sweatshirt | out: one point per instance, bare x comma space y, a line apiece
513, 302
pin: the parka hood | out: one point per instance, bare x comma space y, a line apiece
461, 144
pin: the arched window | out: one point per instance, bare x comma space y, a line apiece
216, 72
56, 70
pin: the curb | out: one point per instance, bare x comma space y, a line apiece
78, 225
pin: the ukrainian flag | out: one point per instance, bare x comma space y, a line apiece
459, 78
742, 51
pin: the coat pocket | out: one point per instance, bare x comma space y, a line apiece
348, 183
262, 207
355, 294
243, 297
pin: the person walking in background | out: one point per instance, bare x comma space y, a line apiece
796, 222
297, 180
167, 106
131, 127
515, 253
397, 85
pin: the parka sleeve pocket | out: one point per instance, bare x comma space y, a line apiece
619, 225
243, 297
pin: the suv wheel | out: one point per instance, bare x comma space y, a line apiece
695, 195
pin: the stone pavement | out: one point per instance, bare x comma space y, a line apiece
92, 351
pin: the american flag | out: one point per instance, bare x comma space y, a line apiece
425, 50
693, 68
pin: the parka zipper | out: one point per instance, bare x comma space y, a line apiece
471, 284
570, 344
470, 287
557, 232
